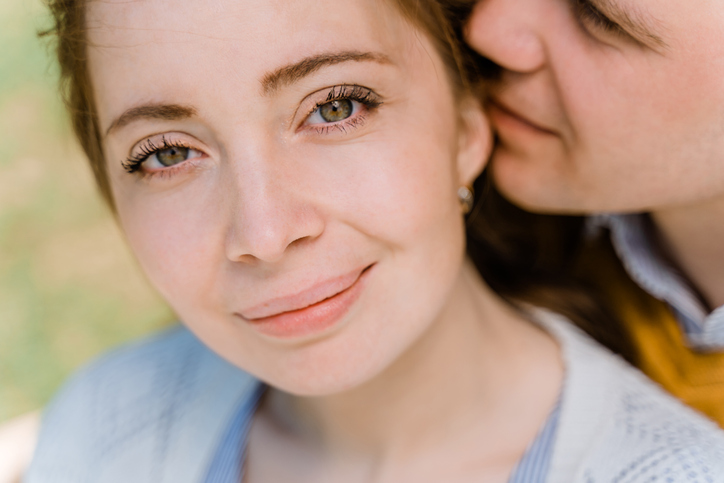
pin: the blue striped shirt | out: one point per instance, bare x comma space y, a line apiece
632, 239
227, 465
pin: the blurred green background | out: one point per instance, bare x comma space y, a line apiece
68, 287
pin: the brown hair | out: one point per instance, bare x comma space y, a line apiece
537, 259
77, 90
523, 257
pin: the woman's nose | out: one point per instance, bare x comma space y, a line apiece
270, 217
507, 32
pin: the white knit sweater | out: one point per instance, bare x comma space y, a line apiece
156, 411
618, 426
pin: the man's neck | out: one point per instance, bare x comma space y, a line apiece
693, 237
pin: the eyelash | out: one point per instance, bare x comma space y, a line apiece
352, 92
134, 163
589, 12
366, 97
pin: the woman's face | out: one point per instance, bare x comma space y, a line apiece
286, 173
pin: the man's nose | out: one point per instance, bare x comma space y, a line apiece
507, 32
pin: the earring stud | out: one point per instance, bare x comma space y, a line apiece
467, 199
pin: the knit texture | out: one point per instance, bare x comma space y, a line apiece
618, 426
661, 344
157, 412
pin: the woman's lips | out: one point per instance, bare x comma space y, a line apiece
308, 312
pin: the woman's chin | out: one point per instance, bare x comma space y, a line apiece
366, 337
325, 373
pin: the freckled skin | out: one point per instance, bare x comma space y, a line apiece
274, 208
275, 201
637, 123
639, 127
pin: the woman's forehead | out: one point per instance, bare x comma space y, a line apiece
147, 48
255, 23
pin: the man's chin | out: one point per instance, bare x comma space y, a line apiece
532, 188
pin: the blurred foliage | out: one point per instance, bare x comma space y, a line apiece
69, 289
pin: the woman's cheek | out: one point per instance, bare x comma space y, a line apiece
415, 191
178, 241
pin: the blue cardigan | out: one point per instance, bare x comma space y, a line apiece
168, 409
160, 410
152, 412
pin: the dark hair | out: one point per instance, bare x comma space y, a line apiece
522, 256
548, 261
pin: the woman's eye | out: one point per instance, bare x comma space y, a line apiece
170, 156
336, 110
154, 158
346, 107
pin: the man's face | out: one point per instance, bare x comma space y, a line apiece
606, 105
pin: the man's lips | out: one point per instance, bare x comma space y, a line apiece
496, 105
301, 300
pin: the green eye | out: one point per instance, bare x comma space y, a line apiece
335, 111
172, 155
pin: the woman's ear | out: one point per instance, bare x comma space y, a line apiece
475, 141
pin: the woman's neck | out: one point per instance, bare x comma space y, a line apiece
475, 388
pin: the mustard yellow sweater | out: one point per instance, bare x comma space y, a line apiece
697, 378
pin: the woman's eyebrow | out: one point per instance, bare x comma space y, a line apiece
166, 112
294, 72
271, 82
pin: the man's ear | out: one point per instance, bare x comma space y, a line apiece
475, 141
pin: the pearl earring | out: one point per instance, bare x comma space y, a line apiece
467, 199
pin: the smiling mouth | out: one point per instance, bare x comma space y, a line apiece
309, 312
502, 112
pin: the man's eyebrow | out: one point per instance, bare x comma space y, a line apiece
641, 25
292, 73
166, 112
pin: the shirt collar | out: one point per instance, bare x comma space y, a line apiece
632, 240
